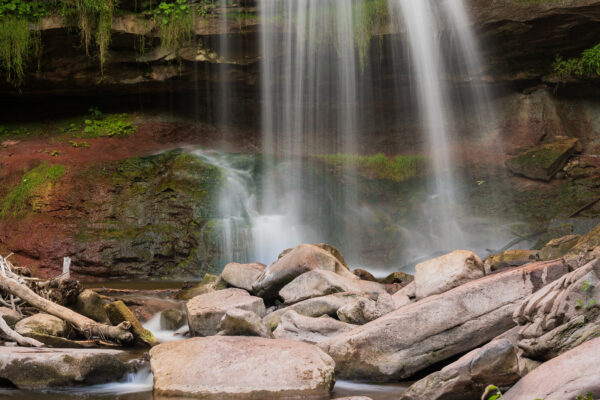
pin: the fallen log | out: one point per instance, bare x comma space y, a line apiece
87, 326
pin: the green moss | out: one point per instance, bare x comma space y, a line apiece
118, 312
17, 43
34, 181
367, 15
585, 66
380, 166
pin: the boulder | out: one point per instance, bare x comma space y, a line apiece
364, 275
407, 340
172, 319
118, 312
567, 376
561, 316
556, 248
544, 161
298, 327
398, 277
90, 304
238, 322
319, 306
579, 254
333, 251
318, 283
220, 367
205, 312
405, 296
10, 316
446, 272
242, 276
467, 378
294, 263
40, 368
363, 309
509, 258
210, 283
45, 324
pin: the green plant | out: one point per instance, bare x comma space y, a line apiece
31, 182
586, 66
588, 303
379, 166
367, 15
100, 124
175, 22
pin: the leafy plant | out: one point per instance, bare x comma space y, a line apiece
586, 66
175, 22
100, 124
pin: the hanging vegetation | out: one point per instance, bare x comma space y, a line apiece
175, 23
586, 66
367, 16
94, 19
17, 42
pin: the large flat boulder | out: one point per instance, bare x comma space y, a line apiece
544, 161
242, 276
301, 259
318, 283
205, 312
42, 323
222, 367
446, 272
295, 326
326, 305
567, 376
562, 315
28, 368
418, 335
467, 378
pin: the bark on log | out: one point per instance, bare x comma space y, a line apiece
87, 326
12, 335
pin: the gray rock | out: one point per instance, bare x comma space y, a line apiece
29, 368
467, 378
298, 327
318, 283
407, 340
172, 319
567, 376
446, 272
205, 312
561, 316
91, 305
221, 367
238, 322
326, 305
44, 324
242, 276
364, 310
294, 263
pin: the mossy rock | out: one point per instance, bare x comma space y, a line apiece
397, 277
553, 233
544, 161
556, 248
210, 283
586, 243
118, 312
91, 305
509, 258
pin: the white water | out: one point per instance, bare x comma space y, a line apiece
162, 334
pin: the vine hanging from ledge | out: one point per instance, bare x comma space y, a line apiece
175, 22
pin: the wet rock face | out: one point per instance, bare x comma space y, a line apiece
544, 161
221, 367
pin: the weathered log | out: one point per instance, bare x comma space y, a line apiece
14, 336
87, 326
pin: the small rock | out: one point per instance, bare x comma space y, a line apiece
205, 312
364, 275
172, 319
298, 327
45, 324
443, 273
90, 304
118, 312
509, 258
242, 276
365, 310
244, 368
398, 277
238, 322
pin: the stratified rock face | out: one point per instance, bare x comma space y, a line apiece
562, 315
205, 312
41, 368
295, 326
44, 324
222, 367
294, 263
318, 283
567, 376
238, 322
405, 341
242, 276
467, 378
446, 272
544, 161
326, 305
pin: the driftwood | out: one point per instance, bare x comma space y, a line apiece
14, 336
16, 287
